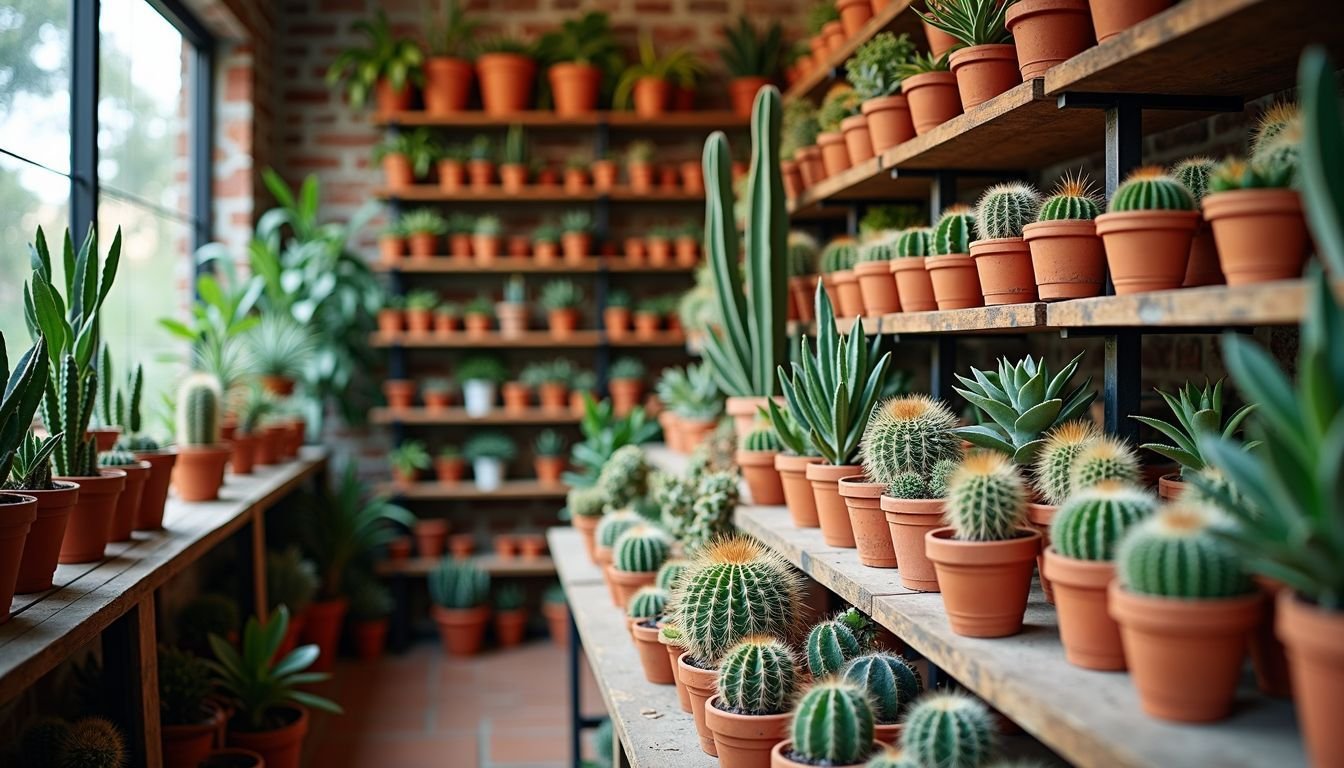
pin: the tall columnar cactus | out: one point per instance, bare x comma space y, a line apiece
736, 587
1072, 200
136, 440
1193, 173
625, 477
915, 242
1105, 458
670, 571
763, 439
955, 231
1022, 400
890, 681
909, 434
198, 410
458, 585
833, 725
1055, 461
839, 254
1151, 189
93, 743
612, 525
948, 730
647, 603
641, 549
1091, 524
68, 404
1004, 209
830, 645
986, 498
1175, 553
758, 677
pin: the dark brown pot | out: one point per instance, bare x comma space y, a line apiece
872, 537
185, 746
400, 394
90, 520
42, 545
1067, 259
836, 529
128, 501
909, 520
1004, 268
984, 583
1047, 32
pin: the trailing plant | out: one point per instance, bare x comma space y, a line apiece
647, 603
1023, 401
874, 69
1151, 189
971, 22
641, 549
347, 525
1072, 200
1106, 458
1091, 523
185, 683
561, 294
914, 242
198, 411
908, 435
679, 67
481, 368
955, 231
1004, 209
841, 102
409, 457
1193, 173
890, 681
490, 445
1053, 467
1175, 553
458, 585
291, 580
418, 146
758, 676
748, 52
832, 725
830, 645
986, 498
384, 57
949, 730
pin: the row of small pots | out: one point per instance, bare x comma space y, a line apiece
462, 631
684, 435
432, 540
513, 321
456, 176
489, 473
575, 248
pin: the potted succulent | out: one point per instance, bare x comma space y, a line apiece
480, 162
551, 380
485, 239
931, 89
437, 393
561, 299
452, 166
818, 16
546, 243
387, 66
985, 60
460, 590
19, 398
585, 507
687, 244
449, 466
799, 139
506, 68
625, 383
1111, 17
749, 713
408, 460
200, 453
803, 265
370, 607
1197, 411
549, 456
876, 72
832, 725
752, 59
650, 82
1257, 222
1002, 259
575, 177
556, 610
1047, 32
391, 316
841, 102
423, 228
391, 244
1066, 254
670, 637
480, 376
952, 271
583, 53
510, 615
698, 405
517, 396
1015, 385
948, 728
910, 249
477, 315
291, 581
643, 614
576, 235
458, 227
1147, 230
639, 166
873, 273
190, 721
489, 454
513, 162
147, 512
837, 269
648, 318
891, 683
400, 394
659, 246
405, 157
1202, 268
420, 306
448, 69
616, 315
605, 172
792, 466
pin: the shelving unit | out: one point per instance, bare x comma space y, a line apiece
509, 490
447, 265
426, 193
512, 567
459, 417
894, 18
697, 120
528, 340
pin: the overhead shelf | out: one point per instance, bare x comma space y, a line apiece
690, 120
510, 490
527, 340
896, 17
431, 193
452, 265
492, 564
459, 416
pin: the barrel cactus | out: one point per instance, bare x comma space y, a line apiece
890, 758
948, 730
1091, 523
1105, 458
955, 231
890, 681
763, 439
986, 498
624, 478
668, 573
839, 254
198, 410
802, 254
880, 248
758, 676
1282, 117
641, 549
830, 645
909, 485
647, 603
1004, 209
117, 458
908, 434
458, 585
1054, 463
941, 476
1194, 173
914, 242
612, 525
93, 743
1072, 200
832, 725
1175, 553
1151, 189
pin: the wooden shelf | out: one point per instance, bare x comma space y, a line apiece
430, 193
449, 265
492, 340
706, 120
458, 416
511, 490
896, 17
493, 564
660, 339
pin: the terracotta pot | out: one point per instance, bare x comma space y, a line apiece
701, 685
585, 525
834, 31
422, 246
913, 286
851, 296
745, 411
857, 140
1067, 259
668, 178
399, 549
576, 246
625, 394
370, 638
154, 496
834, 153
1039, 517
604, 175
877, 287
983, 72
462, 632
575, 181
1170, 487
616, 322
461, 545
279, 748
627, 583
908, 521
90, 520
956, 281
934, 99
477, 325
781, 757
836, 530
400, 394
1047, 32
506, 82
984, 583
388, 99
1311, 637
1111, 17
199, 471
517, 397
545, 252
651, 96
512, 177
269, 444
185, 746
1268, 657
531, 546
549, 469
397, 171
323, 629
1003, 266
1260, 233
798, 494
419, 321
854, 14
745, 741
800, 288
889, 122
510, 628
548, 178
391, 248
42, 545
742, 93
389, 322
1091, 638
459, 246
1184, 656
452, 175
793, 178
18, 512
437, 401
1203, 268
574, 87
447, 84
820, 53
872, 537
813, 165
888, 733
1147, 250
105, 437
128, 501
553, 396
687, 251
485, 248
940, 42
562, 322
641, 177
652, 654
763, 481
557, 622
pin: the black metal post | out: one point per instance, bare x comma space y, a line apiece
942, 365
942, 193
83, 117
1123, 381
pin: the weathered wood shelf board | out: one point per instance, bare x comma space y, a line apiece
510, 490
47, 627
660, 339
1007, 318
456, 416
707, 120
572, 564
430, 193
451, 265
894, 18
492, 340
492, 564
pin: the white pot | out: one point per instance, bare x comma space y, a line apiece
489, 473
478, 395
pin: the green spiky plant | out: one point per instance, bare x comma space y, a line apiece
509, 598
669, 572
748, 52
1023, 401
647, 603
1107, 458
1054, 463
117, 458
291, 580
409, 458
93, 742
890, 757
971, 22
679, 67
627, 368
874, 69
549, 443
385, 56
1073, 199
604, 433
1004, 209
800, 128
458, 585
758, 676
641, 549
346, 525
924, 63
1268, 173
185, 684
1151, 189
674, 497
915, 242
490, 445
986, 498
830, 645
612, 525
908, 436
839, 103
762, 440
832, 725
948, 730
1175, 553
881, 248
839, 254
19, 399
711, 513
515, 146
1091, 523
134, 437
1193, 173
198, 410
954, 232
890, 681
561, 294
625, 478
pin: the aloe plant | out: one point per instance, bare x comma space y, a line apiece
1197, 411
1024, 402
971, 22
751, 53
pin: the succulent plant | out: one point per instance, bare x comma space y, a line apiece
423, 221
490, 445
458, 585
832, 725
1004, 209
641, 549
1197, 411
42, 741
561, 294
1193, 172
647, 603
1280, 117
890, 681
908, 435
548, 444
914, 242
198, 410
1072, 200
93, 742
613, 524
670, 571
1091, 523
763, 439
1275, 171
1055, 459
1105, 458
839, 254
839, 103
625, 477
986, 498
758, 676
711, 514
1176, 553
874, 69
830, 645
1023, 401
626, 368
948, 730
955, 231
941, 476
1151, 189
117, 458
673, 496
909, 485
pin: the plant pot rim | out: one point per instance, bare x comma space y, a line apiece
853, 123
1023, 8
779, 755
880, 103
215, 448
107, 477
830, 473
896, 506
860, 487
746, 458
792, 462
949, 261
630, 578
863, 268
1041, 514
906, 263
941, 547
1065, 227
1178, 616
977, 53
707, 677
573, 66
500, 56
642, 633
830, 137
1308, 628
928, 78
714, 711
1126, 221
841, 276
996, 245
1251, 202
460, 616
1083, 574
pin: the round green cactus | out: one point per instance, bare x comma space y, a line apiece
1054, 463
762, 440
758, 676
833, 725
908, 485
830, 645
1175, 553
1282, 117
669, 572
625, 477
1004, 209
908, 434
955, 231
802, 254
1104, 458
1091, 524
647, 603
986, 498
93, 743
585, 502
641, 549
948, 730
42, 741
1151, 189
117, 458
941, 476
1193, 172
890, 758
198, 410
613, 524
880, 248
890, 680
839, 254
1072, 200
1283, 154
914, 242
1208, 486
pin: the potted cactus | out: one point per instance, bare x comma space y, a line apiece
931, 88
458, 227
556, 610
585, 507
802, 258
1002, 259
1147, 230
832, 643
1066, 254
948, 728
477, 315
1257, 220
625, 383
408, 460
1053, 474
391, 244
561, 299
913, 285
576, 235
749, 713
510, 615
635, 558
891, 683
574, 180
423, 228
610, 526
449, 466
985, 60
837, 276
480, 376
658, 241
643, 614
1202, 268
437, 392
489, 454
756, 458
873, 274
517, 396
616, 315
639, 166
480, 162
460, 592
513, 163
546, 243
697, 404
832, 725
841, 103
137, 472
686, 246
549, 456
391, 316
956, 283
190, 721
200, 453
370, 606
485, 239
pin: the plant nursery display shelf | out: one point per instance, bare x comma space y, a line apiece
694, 120
510, 490
47, 627
429, 193
492, 564
528, 340
446, 265
896, 17
459, 416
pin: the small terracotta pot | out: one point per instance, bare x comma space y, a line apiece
673, 654
1170, 487
836, 529
888, 733
1147, 250
459, 246
1260, 233
1067, 259
780, 757
430, 535
984, 583
1091, 638
652, 655
531, 546
512, 177
640, 176
280, 747
18, 512
812, 165
1311, 637
669, 178
834, 153
576, 181
745, 412
834, 31
476, 325
1268, 657
851, 296
763, 480
391, 248
625, 394
485, 248
574, 87
506, 82
858, 142
452, 175
585, 525
437, 401
983, 72
557, 622
400, 394
388, 99
562, 322
934, 99
128, 501
517, 397
399, 549
90, 520
605, 173
42, 545
149, 516
940, 42
801, 288
694, 432
461, 545
546, 252
616, 322
323, 629
553, 396
419, 321
105, 437
889, 122
1047, 32
576, 246
660, 251
389, 322
956, 281
627, 583
397, 171
651, 96
480, 175
745, 741
447, 84
872, 536
798, 495
687, 250
549, 469
1003, 266
877, 287
793, 178
742, 93
1111, 17
510, 627
269, 445
370, 638
1203, 268
1184, 656
913, 286
199, 471
908, 520
462, 632
853, 15
187, 745
820, 53
1039, 517
701, 685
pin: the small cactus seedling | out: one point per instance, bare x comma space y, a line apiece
908, 434
1072, 200
830, 645
986, 498
93, 743
890, 680
1151, 189
1194, 173
670, 634
1055, 461
758, 677
915, 242
41, 743
762, 440
612, 525
624, 478
670, 572
955, 231
948, 730
641, 549
1175, 553
839, 254
1091, 524
198, 410
941, 476
1005, 209
647, 603
1105, 458
832, 725
909, 485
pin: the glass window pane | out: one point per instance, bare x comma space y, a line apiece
29, 197
35, 81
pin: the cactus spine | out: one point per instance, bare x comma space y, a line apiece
1175, 554
1105, 458
830, 645
647, 603
198, 410
839, 254
758, 677
948, 730
914, 242
1055, 461
1072, 200
1194, 173
458, 585
1151, 189
909, 485
986, 498
1005, 209
1091, 524
908, 434
762, 440
93, 743
669, 572
890, 681
641, 549
833, 725
612, 525
625, 477
955, 231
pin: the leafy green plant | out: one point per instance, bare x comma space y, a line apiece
922, 64
680, 67
409, 457
799, 129
577, 221
549, 443
384, 57
280, 346
1322, 138
453, 32
694, 395
418, 146
627, 368
588, 39
479, 305
348, 524
458, 585
874, 69
971, 22
748, 52
490, 445
603, 434
1023, 401
840, 102
1197, 412
481, 368
557, 371
21, 395
487, 226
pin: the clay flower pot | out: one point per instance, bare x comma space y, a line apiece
575, 181
553, 396
1203, 268
447, 84
745, 741
1091, 638
1046, 32
1039, 517
461, 545
851, 296
983, 72
834, 32
627, 583
17, 514
323, 629
452, 175
1067, 259
616, 322
940, 42
836, 529
625, 394
557, 622
388, 99
510, 627
128, 501
279, 748
793, 178
813, 166
889, 122
42, 545
1111, 17
549, 469
400, 394
798, 494
853, 15
512, 177
877, 287
187, 745
908, 520
701, 685
872, 537
640, 176
802, 289
480, 175
1147, 250
694, 432
934, 99
370, 638
268, 445
1184, 656
391, 248
763, 480
562, 322
1261, 234
687, 250
154, 496
106, 437
389, 322
91, 517
576, 246
781, 757
459, 246
888, 733
199, 471
604, 175
1004, 268
397, 171
913, 286
574, 87
956, 281
506, 82
742, 93
585, 525
399, 549
1269, 659
834, 153
652, 655
1311, 637
984, 583
651, 96
462, 631
858, 142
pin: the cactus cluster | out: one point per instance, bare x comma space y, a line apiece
458, 585
890, 681
914, 242
758, 677
585, 502
1072, 200
832, 725
1054, 463
641, 549
1193, 173
880, 248
612, 525
1151, 189
93, 743
1271, 172
673, 496
1004, 209
986, 498
830, 645
908, 435
1105, 458
763, 439
839, 254
955, 231
625, 477
668, 573
69, 404
1175, 553
948, 730
647, 603
1091, 524
198, 410
712, 511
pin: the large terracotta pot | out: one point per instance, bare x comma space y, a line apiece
627, 583
1046, 32
763, 481
323, 629
42, 546
1203, 268
1004, 268
853, 15
780, 757
1260, 233
836, 529
701, 685
1147, 250
985, 584
1067, 259
956, 281
877, 287
745, 741
1091, 638
1316, 659
983, 72
1111, 17
510, 627
742, 93
506, 82
934, 99
851, 296
834, 153
673, 654
652, 655
574, 87
462, 632
17, 514
913, 286
199, 471
798, 494
447, 84
1185, 656
370, 638
549, 469
128, 501
889, 122
279, 748
185, 746
872, 536
858, 143
91, 517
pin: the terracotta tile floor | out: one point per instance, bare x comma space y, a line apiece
422, 709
